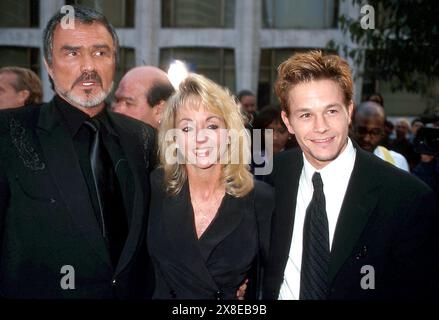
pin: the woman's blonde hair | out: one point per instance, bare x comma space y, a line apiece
194, 92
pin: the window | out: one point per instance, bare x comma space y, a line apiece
20, 57
300, 14
216, 64
198, 14
19, 13
120, 13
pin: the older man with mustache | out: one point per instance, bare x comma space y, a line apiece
74, 177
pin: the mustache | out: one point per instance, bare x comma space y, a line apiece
92, 76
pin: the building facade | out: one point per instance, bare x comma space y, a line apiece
237, 43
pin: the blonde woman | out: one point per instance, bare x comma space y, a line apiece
209, 220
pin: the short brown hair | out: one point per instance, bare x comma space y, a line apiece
26, 80
311, 66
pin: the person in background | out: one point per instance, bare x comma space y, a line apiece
270, 118
402, 144
209, 220
142, 94
416, 125
428, 171
376, 97
247, 102
19, 87
368, 127
388, 133
425, 144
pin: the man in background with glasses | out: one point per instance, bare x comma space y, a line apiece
368, 125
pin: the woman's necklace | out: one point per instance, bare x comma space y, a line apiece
205, 211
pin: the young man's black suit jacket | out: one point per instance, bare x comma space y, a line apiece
46, 216
388, 220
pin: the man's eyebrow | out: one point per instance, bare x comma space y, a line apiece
101, 46
70, 48
73, 48
125, 98
331, 105
302, 110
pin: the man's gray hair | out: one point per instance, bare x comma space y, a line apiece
83, 15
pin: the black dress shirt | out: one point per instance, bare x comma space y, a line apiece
81, 137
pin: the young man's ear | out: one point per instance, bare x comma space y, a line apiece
287, 122
350, 111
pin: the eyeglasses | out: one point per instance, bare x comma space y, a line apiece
363, 131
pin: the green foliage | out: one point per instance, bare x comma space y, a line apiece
404, 46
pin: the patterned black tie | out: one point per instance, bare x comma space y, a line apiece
110, 202
315, 256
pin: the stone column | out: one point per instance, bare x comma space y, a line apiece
247, 47
47, 10
147, 26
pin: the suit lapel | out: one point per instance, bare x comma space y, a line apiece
360, 199
64, 166
179, 225
130, 142
228, 218
286, 181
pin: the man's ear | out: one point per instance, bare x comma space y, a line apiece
23, 95
350, 111
159, 108
287, 122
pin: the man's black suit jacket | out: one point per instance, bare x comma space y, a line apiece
389, 220
46, 216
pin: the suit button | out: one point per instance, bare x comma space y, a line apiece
219, 295
362, 253
173, 294
114, 282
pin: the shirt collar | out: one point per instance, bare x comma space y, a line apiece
74, 117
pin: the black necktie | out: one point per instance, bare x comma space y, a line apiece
109, 198
315, 255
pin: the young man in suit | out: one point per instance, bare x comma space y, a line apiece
74, 187
347, 225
